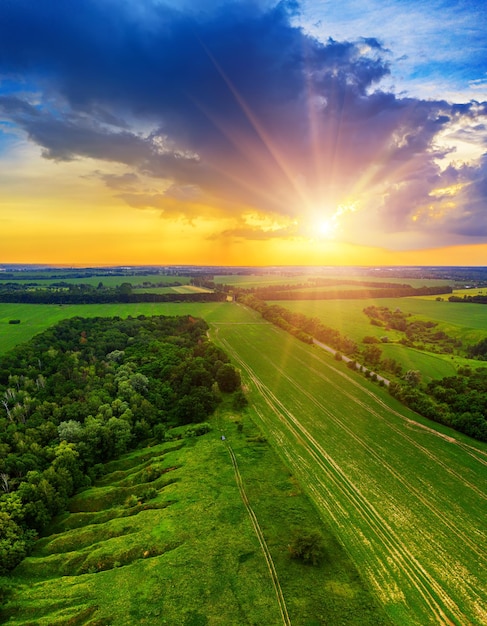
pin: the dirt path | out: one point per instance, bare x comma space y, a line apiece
347, 359
260, 536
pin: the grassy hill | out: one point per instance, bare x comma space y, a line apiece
186, 552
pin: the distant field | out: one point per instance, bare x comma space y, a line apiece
108, 281
348, 317
331, 288
458, 292
264, 280
190, 555
407, 498
470, 292
181, 289
461, 321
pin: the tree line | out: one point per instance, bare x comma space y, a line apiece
477, 299
417, 333
84, 392
394, 291
79, 295
457, 401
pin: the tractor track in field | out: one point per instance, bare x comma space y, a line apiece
404, 483
470, 450
397, 551
260, 536
369, 409
479, 455
439, 603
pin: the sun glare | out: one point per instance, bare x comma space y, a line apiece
325, 228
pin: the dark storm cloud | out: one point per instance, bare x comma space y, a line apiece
241, 105
66, 136
174, 69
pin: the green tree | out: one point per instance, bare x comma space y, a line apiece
413, 377
228, 378
14, 543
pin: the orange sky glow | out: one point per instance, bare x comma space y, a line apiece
182, 150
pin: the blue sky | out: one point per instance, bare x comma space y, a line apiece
216, 131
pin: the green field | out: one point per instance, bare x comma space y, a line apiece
467, 322
474, 291
406, 498
430, 365
250, 281
190, 555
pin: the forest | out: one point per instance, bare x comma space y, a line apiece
87, 390
87, 294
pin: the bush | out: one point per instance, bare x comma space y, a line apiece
197, 429
307, 546
239, 400
131, 501
14, 321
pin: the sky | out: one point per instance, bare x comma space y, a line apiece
212, 132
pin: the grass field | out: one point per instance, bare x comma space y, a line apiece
263, 280
460, 320
474, 291
190, 556
406, 498
429, 364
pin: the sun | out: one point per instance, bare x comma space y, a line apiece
327, 223
321, 225
325, 228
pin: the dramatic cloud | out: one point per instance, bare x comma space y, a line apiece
234, 109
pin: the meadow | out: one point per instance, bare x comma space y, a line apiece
190, 555
34, 318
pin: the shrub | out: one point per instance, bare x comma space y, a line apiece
307, 546
239, 400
